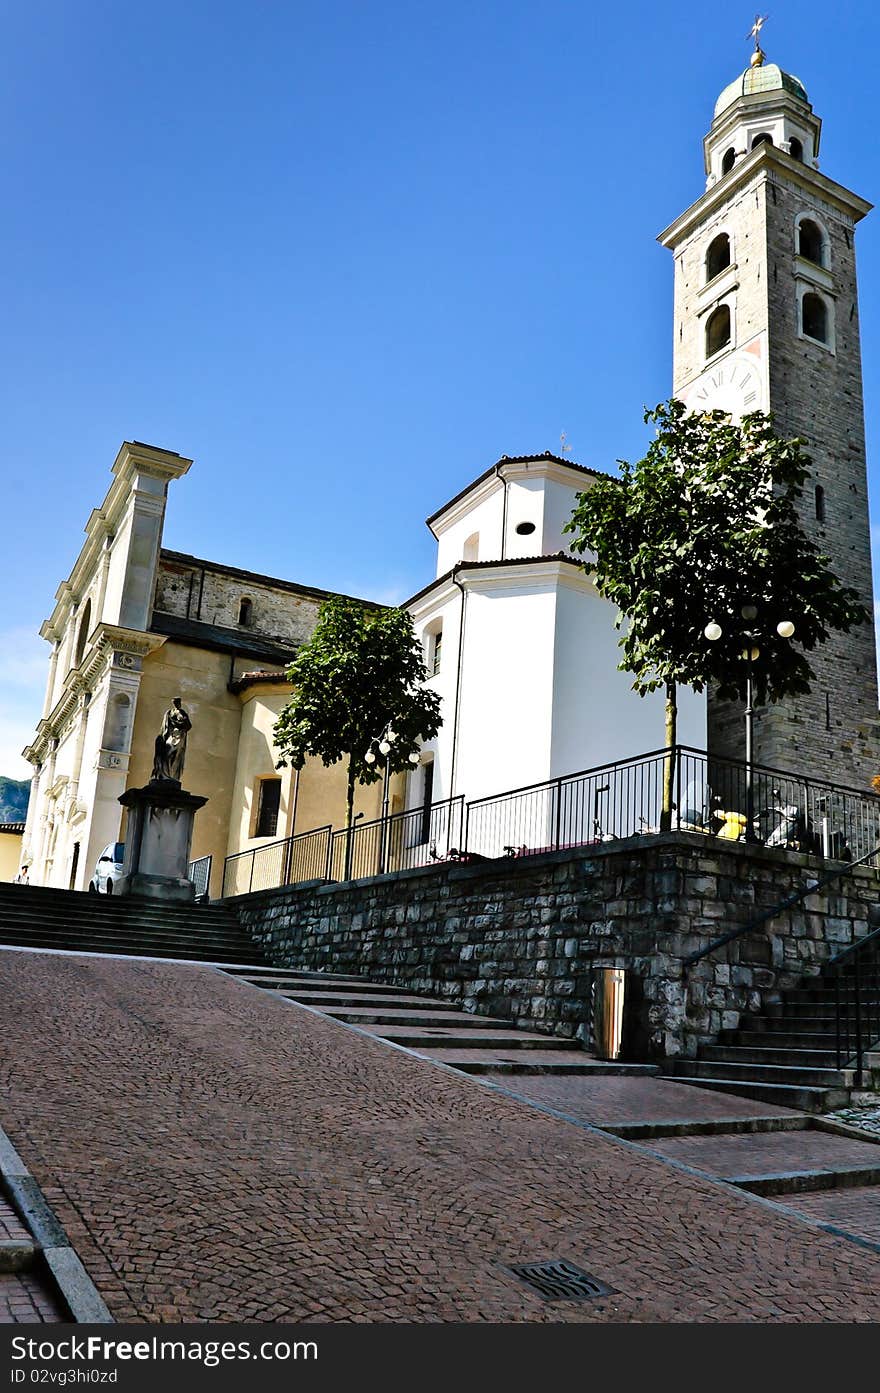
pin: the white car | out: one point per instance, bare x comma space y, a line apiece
108, 869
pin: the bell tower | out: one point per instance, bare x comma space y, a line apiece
766, 317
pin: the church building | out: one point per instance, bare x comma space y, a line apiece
518, 644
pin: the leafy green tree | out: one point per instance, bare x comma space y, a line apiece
704, 525
361, 671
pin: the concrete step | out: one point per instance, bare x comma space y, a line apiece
262, 976
121, 909
464, 1038
507, 1061
425, 1015
370, 1000
828, 985
235, 950
802, 1097
824, 1006
18, 1254
122, 923
769, 1073
711, 1127
821, 1021
118, 932
801, 1181
749, 1054
203, 955
780, 1040
318, 982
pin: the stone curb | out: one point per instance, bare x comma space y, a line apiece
75, 1285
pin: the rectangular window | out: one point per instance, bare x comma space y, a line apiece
427, 799
436, 652
267, 808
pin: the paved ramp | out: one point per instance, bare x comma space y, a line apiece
217, 1153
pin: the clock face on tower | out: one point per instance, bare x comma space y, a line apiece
734, 385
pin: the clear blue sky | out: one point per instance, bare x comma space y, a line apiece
346, 254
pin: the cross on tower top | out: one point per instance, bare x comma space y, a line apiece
755, 33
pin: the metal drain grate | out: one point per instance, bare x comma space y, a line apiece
561, 1281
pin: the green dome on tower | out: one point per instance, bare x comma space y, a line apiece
761, 77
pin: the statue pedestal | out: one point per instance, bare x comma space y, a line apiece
158, 841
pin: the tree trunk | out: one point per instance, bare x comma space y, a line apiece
349, 819
669, 759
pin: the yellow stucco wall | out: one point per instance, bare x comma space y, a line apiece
320, 794
316, 799
229, 750
10, 854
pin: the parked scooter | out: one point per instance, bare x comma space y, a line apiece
793, 828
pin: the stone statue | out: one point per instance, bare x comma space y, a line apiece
171, 744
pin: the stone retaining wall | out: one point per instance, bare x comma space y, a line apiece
520, 938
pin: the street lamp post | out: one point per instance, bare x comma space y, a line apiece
383, 743
751, 652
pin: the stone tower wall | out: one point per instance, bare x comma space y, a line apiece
816, 394
745, 285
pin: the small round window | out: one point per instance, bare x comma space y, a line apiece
525, 529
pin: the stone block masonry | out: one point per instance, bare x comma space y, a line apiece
520, 938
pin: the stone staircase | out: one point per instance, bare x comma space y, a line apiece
34, 917
788, 1057
432, 1027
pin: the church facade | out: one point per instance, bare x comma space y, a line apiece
135, 625
519, 646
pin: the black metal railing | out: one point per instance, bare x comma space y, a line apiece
856, 976
288, 862
199, 872
789, 810
401, 842
602, 804
710, 796
607, 803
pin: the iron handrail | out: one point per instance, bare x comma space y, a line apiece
267, 846
286, 854
854, 947
673, 750
857, 1018
414, 813
580, 774
812, 888
782, 773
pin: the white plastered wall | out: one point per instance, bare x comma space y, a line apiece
597, 717
485, 518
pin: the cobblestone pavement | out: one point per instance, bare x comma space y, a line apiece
26, 1300
769, 1153
24, 1296
857, 1210
218, 1154
10, 1224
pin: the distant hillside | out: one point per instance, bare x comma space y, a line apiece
14, 795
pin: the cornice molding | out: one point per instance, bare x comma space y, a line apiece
107, 640
758, 167
133, 461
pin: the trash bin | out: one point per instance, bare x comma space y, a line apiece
609, 991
